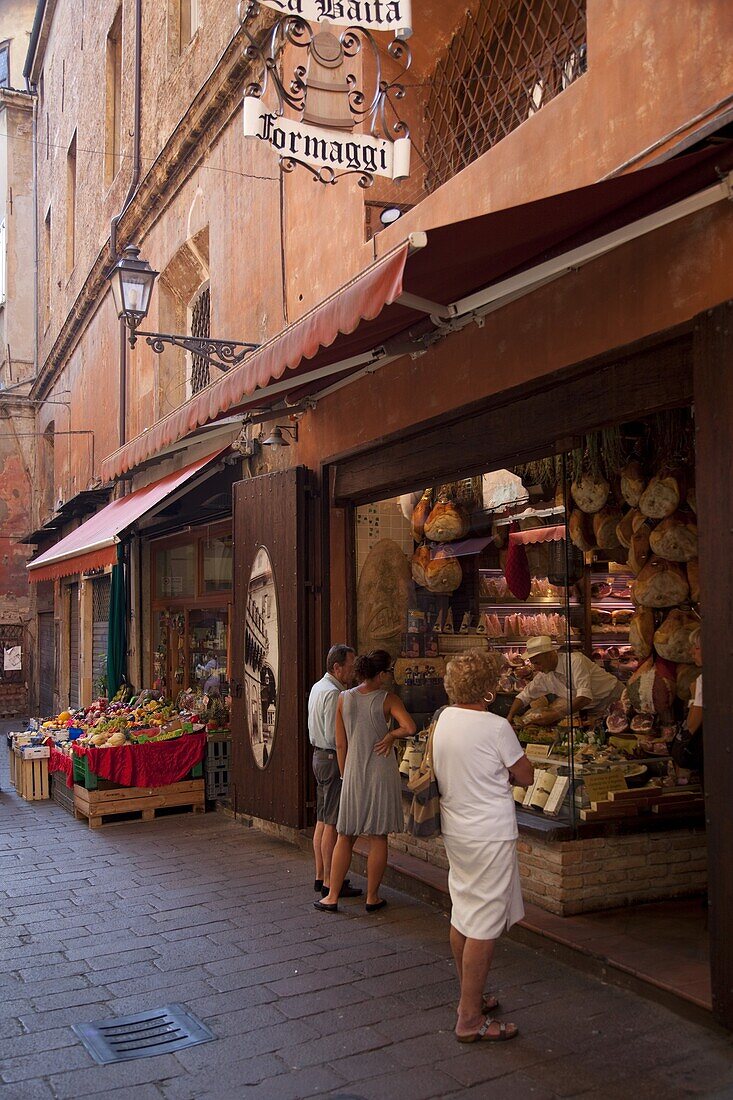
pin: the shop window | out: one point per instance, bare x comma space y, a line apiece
175, 572
589, 558
507, 61
113, 111
207, 659
5, 65
218, 561
191, 592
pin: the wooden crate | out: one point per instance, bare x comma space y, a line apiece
31, 778
109, 807
60, 793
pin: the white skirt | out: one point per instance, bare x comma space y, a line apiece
484, 886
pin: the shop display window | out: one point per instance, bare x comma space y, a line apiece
207, 651
218, 560
175, 572
191, 591
594, 550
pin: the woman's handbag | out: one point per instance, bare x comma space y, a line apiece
686, 749
424, 816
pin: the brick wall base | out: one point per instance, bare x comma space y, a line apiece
579, 876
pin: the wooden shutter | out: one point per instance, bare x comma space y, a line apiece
273, 511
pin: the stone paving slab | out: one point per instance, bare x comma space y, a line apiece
202, 910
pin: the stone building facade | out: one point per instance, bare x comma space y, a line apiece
17, 355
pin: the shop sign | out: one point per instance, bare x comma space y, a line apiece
394, 16
313, 111
332, 152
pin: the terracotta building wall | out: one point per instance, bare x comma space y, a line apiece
276, 247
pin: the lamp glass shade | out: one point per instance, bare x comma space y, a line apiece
132, 286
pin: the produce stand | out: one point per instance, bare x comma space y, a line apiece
127, 759
102, 807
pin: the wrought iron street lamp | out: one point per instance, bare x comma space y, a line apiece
132, 281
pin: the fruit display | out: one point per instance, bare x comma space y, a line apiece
131, 720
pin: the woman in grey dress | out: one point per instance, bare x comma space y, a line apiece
371, 796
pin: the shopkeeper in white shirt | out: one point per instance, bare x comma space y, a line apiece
593, 689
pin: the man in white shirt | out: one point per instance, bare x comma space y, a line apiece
322, 704
576, 682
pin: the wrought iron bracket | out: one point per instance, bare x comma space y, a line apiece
221, 354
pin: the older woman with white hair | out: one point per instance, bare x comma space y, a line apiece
476, 759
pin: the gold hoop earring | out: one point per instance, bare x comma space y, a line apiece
489, 701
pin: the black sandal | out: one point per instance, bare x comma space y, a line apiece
376, 906
323, 908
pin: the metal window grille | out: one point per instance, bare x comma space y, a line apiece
200, 326
100, 599
501, 67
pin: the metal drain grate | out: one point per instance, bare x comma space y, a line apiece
160, 1031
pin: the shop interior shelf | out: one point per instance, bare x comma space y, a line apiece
533, 601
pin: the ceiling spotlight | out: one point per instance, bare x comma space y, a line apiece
390, 215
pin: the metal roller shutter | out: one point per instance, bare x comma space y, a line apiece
74, 645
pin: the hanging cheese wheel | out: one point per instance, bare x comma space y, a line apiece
672, 639
661, 497
641, 632
581, 530
675, 538
660, 583
605, 523
590, 493
640, 548
633, 483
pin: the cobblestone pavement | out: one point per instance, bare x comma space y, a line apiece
204, 911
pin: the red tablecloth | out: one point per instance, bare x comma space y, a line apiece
155, 764
60, 762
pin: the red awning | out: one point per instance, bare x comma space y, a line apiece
93, 545
458, 260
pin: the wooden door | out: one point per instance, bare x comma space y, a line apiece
270, 658
46, 663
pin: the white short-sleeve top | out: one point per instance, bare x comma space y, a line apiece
472, 753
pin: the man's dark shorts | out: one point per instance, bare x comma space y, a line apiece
328, 786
